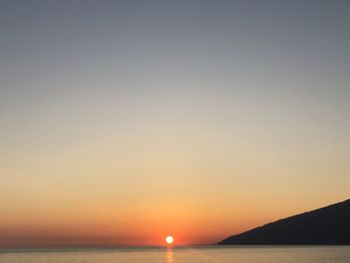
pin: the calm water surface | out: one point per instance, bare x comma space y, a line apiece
236, 254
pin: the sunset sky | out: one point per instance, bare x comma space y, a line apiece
122, 122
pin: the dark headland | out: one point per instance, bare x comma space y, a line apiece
325, 226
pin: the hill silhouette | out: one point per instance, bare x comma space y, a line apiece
325, 226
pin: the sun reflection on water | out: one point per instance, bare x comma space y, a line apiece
169, 255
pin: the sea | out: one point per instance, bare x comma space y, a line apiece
199, 254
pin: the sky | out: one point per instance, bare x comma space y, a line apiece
124, 121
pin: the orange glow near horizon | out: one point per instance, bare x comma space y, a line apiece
85, 224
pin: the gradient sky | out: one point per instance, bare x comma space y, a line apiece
124, 121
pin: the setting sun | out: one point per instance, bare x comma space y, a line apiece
169, 240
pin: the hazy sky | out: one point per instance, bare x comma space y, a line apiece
124, 121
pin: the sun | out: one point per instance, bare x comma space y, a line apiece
169, 240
